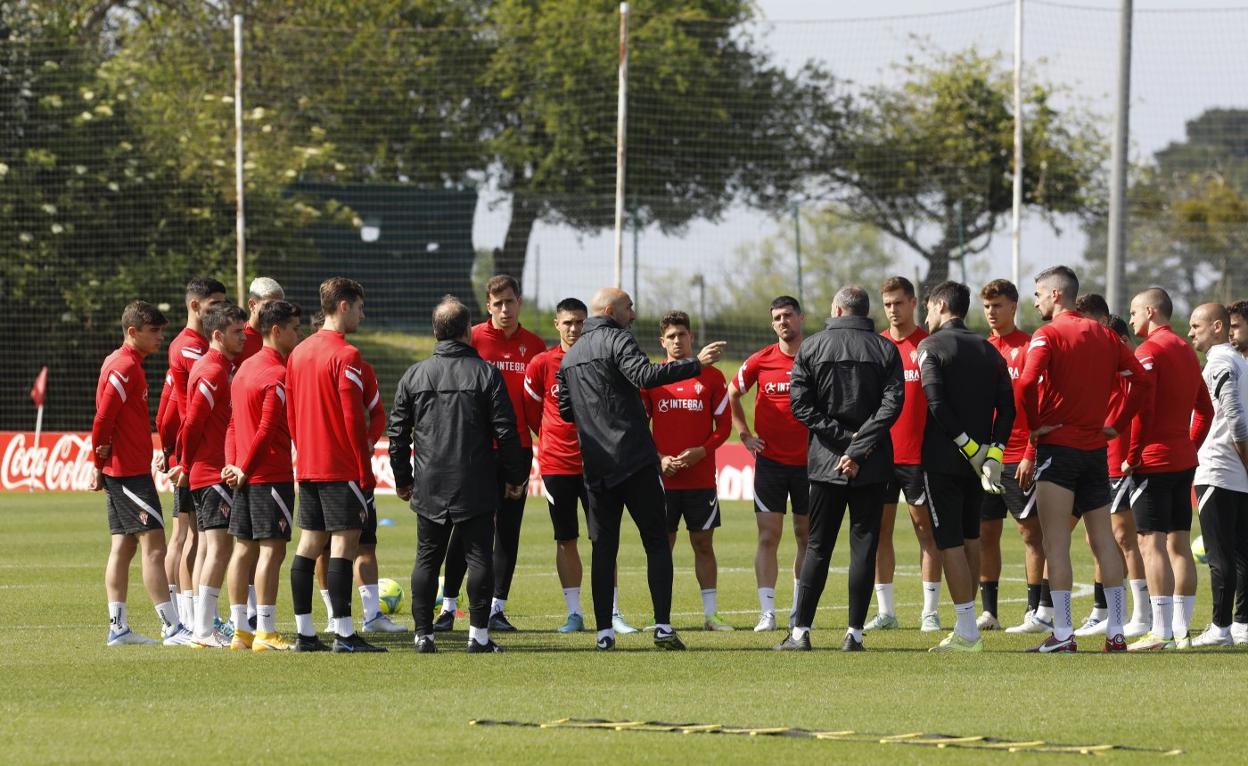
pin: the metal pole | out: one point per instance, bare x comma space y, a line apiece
1016, 250
240, 267
621, 117
797, 246
636, 255
537, 277
1115, 257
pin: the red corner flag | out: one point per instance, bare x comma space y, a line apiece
38, 392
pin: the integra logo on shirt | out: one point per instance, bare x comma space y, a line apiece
776, 388
693, 405
510, 366
912, 376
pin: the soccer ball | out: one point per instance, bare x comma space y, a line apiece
1198, 550
391, 596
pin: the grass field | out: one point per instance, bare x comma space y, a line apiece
71, 699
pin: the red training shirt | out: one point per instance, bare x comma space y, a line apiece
207, 419
372, 405
1013, 348
253, 341
784, 438
1172, 422
121, 417
325, 409
558, 451
907, 431
184, 351
511, 356
691, 413
1116, 449
258, 439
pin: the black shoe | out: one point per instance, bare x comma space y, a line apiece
790, 644
353, 644
311, 643
852, 644
606, 644
489, 647
498, 621
669, 641
425, 645
445, 622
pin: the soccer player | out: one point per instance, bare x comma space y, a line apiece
121, 437
203, 458
1094, 307
897, 295
690, 421
262, 289
1080, 362
848, 386
1239, 342
501, 341
184, 351
325, 410
1000, 302
970, 403
454, 409
258, 469
1222, 476
559, 460
778, 443
1165, 435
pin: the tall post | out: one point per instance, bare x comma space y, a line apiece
1114, 258
636, 255
1016, 235
621, 121
239, 228
797, 247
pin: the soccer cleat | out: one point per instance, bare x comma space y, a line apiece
177, 636
242, 639
1152, 643
383, 624
790, 644
956, 643
881, 622
310, 644
223, 627
128, 637
929, 623
1092, 626
1051, 645
605, 644
766, 622
668, 640
851, 644
444, 623
1117, 643
620, 626
270, 642
500, 623
426, 645
717, 625
1183, 642
1137, 629
215, 640
988, 621
489, 647
1031, 624
1239, 633
1212, 637
574, 624
353, 644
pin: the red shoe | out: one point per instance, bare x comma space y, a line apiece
1052, 646
1116, 644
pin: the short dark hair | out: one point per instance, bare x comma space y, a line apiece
318, 319
500, 283
678, 318
1067, 282
1092, 305
450, 319
1119, 326
140, 314
853, 300
955, 295
1239, 309
894, 283
999, 288
276, 313
571, 304
222, 316
201, 287
337, 289
786, 301
1159, 299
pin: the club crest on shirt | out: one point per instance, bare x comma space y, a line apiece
524, 350
1014, 353
698, 388
143, 518
914, 356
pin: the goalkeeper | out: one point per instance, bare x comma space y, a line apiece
970, 401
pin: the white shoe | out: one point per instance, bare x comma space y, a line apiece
988, 621
128, 637
177, 635
766, 622
929, 623
1031, 624
215, 640
1093, 626
383, 624
1213, 637
1239, 632
1138, 629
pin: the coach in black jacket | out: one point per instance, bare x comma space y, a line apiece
454, 407
847, 388
970, 403
599, 380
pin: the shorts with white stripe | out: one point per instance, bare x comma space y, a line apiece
213, 505
1162, 502
263, 511
698, 507
332, 506
562, 492
954, 503
777, 484
1120, 488
133, 505
1019, 504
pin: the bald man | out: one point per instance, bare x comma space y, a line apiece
599, 382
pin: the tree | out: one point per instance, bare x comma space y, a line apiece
929, 161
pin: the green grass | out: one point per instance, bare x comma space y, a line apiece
71, 699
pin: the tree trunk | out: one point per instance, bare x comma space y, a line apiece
510, 260
937, 267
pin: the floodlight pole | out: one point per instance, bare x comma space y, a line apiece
1016, 237
1115, 257
240, 266
621, 118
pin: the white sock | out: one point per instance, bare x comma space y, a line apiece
572, 599
796, 584
450, 605
185, 615
615, 603
251, 602
329, 605
1045, 612
303, 625
608, 633
884, 597
931, 597
1063, 627
1163, 612
117, 616
710, 598
767, 600
497, 605
856, 633
344, 626
1139, 601
798, 633
480, 635
1116, 598
173, 592
1183, 614
371, 601
1099, 613
266, 618
662, 627
238, 616
167, 614
205, 610
965, 626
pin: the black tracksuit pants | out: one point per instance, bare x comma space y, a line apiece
506, 547
827, 511
432, 541
1224, 525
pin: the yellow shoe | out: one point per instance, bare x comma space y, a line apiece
242, 639
955, 643
270, 642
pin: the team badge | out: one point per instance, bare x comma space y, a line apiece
1013, 353
698, 388
914, 355
524, 350
143, 518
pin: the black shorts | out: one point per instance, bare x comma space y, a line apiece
1083, 472
213, 504
133, 505
907, 482
183, 502
954, 502
698, 507
263, 512
1162, 502
1120, 493
368, 535
1019, 504
332, 506
562, 492
775, 484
